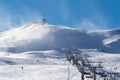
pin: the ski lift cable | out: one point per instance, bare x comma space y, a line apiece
74, 74
70, 77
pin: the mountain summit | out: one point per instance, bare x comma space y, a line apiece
37, 36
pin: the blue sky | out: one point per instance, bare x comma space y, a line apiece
83, 14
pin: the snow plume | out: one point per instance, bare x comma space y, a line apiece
29, 16
95, 22
9, 20
35, 37
5, 22
64, 10
88, 25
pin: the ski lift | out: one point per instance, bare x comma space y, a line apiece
89, 76
103, 74
86, 71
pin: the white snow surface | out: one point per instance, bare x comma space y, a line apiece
37, 65
34, 37
111, 39
37, 72
37, 48
110, 61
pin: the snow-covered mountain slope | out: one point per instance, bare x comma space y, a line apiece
34, 37
113, 41
38, 50
33, 57
38, 72
110, 61
37, 65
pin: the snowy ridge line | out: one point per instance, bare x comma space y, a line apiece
39, 36
111, 39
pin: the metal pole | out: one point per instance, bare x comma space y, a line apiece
114, 76
94, 71
82, 76
68, 73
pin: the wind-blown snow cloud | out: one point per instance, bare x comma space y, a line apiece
16, 15
10, 20
5, 21
94, 22
64, 10
29, 16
